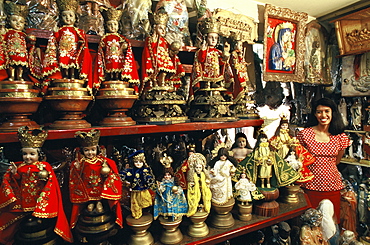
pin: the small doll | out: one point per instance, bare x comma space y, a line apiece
20, 48
282, 139
222, 170
141, 178
330, 228
115, 57
293, 160
170, 200
241, 147
94, 183
199, 194
181, 172
67, 54
243, 189
31, 197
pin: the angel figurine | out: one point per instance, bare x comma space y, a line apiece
243, 188
31, 198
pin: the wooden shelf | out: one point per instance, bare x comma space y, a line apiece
287, 211
363, 163
141, 129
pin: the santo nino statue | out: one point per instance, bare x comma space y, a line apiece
31, 200
95, 186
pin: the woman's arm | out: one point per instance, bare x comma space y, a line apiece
339, 156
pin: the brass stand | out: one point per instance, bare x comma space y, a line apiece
18, 101
268, 207
199, 228
69, 97
221, 216
117, 98
245, 108
171, 233
290, 194
140, 226
245, 212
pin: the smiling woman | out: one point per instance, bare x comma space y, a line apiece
325, 139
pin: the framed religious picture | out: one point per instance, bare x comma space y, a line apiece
316, 66
284, 44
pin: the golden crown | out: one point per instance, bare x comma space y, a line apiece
111, 14
160, 18
197, 158
11, 8
68, 5
87, 139
32, 139
211, 25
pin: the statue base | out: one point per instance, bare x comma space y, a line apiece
117, 98
140, 226
221, 216
365, 240
18, 101
171, 233
199, 228
245, 212
290, 194
268, 207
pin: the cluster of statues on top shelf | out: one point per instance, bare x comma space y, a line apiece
99, 187
67, 75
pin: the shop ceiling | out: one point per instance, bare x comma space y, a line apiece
323, 10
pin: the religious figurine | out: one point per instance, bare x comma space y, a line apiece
157, 65
67, 54
243, 189
348, 206
329, 226
31, 199
95, 187
356, 114
311, 232
283, 138
141, 179
115, 57
362, 205
181, 172
223, 168
241, 147
209, 96
347, 237
170, 201
282, 236
199, 194
21, 54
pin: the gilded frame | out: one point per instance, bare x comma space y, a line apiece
284, 60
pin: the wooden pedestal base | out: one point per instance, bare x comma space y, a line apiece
221, 216
290, 194
199, 228
268, 207
171, 233
140, 226
245, 212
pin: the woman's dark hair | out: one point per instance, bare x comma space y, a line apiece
336, 125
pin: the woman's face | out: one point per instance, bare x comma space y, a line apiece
323, 115
68, 17
90, 151
16, 22
286, 37
242, 142
30, 155
212, 39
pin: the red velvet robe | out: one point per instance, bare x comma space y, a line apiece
86, 183
111, 58
68, 48
23, 193
240, 75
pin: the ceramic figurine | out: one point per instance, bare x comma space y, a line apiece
199, 194
95, 187
362, 205
356, 114
222, 170
282, 138
31, 200
241, 147
243, 189
141, 179
67, 54
347, 237
116, 60
170, 201
311, 232
330, 228
181, 172
282, 236
349, 209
